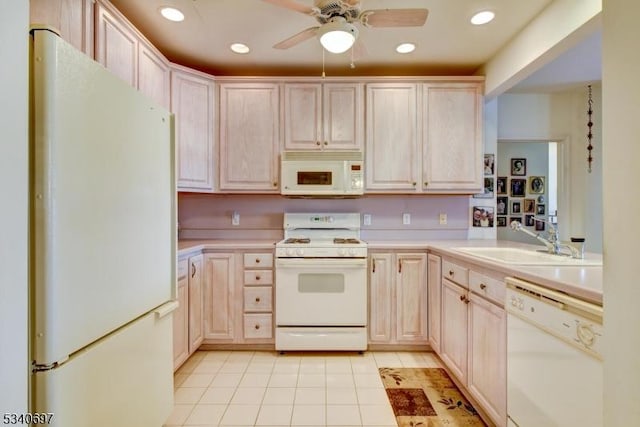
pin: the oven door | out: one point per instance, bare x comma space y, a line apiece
321, 292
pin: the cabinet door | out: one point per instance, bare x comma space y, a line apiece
154, 79
196, 321
342, 116
411, 298
219, 297
434, 278
181, 324
452, 137
392, 151
249, 135
380, 297
487, 374
303, 116
116, 45
192, 103
453, 344
72, 18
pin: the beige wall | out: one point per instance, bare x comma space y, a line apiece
14, 364
621, 175
562, 117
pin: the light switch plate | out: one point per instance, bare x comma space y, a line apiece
443, 219
406, 219
366, 219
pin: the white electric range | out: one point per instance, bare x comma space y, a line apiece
321, 283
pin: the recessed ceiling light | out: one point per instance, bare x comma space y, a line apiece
240, 48
172, 14
405, 48
483, 17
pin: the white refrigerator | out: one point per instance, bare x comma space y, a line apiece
103, 244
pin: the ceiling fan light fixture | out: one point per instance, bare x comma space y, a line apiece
337, 35
482, 17
172, 14
405, 48
240, 48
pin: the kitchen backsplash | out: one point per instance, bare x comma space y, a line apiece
209, 216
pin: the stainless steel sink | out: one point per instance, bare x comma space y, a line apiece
517, 256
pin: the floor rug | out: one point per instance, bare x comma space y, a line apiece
426, 397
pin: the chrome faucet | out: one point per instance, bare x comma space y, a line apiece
552, 243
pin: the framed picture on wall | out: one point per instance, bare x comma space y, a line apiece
518, 167
540, 225
501, 221
518, 187
489, 161
529, 206
528, 220
501, 205
536, 184
501, 185
515, 218
482, 216
541, 209
516, 207
488, 190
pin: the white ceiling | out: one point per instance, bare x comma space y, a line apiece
446, 45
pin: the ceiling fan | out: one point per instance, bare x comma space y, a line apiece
337, 32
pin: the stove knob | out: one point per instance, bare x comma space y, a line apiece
352, 252
341, 252
289, 251
299, 251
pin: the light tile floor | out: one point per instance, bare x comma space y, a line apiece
254, 388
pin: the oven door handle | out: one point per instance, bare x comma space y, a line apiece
355, 263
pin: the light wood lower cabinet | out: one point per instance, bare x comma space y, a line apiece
473, 334
434, 299
187, 318
397, 298
238, 298
196, 321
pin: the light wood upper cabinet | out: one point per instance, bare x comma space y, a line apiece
411, 298
219, 297
196, 320
452, 137
392, 150
434, 278
192, 96
154, 78
249, 137
323, 116
381, 292
72, 18
116, 45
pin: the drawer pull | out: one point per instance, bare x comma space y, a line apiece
451, 273
258, 277
464, 299
257, 260
257, 299
193, 270
483, 286
257, 327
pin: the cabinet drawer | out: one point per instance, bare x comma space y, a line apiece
258, 260
455, 273
258, 325
183, 269
258, 277
488, 287
257, 298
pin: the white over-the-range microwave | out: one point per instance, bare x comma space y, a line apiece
322, 173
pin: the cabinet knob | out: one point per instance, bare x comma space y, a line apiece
464, 299
426, 183
257, 299
275, 184
257, 260
451, 273
415, 183
483, 286
257, 327
326, 143
317, 142
257, 277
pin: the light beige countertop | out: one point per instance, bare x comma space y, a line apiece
584, 282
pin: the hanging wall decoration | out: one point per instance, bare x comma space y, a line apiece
590, 135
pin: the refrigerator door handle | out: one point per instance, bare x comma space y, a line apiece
166, 308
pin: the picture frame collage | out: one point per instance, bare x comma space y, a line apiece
483, 216
520, 197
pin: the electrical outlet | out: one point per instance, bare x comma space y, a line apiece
443, 219
406, 219
235, 218
366, 219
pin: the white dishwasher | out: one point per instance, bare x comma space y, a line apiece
554, 358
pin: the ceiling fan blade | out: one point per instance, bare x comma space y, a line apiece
352, 2
394, 17
298, 38
292, 5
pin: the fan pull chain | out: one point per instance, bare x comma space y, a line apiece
353, 65
323, 75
